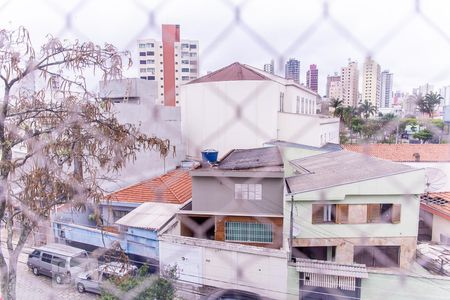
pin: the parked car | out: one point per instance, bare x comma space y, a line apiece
93, 281
58, 261
232, 295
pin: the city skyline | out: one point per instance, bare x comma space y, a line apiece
327, 33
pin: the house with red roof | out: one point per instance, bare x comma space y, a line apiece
242, 107
132, 216
434, 158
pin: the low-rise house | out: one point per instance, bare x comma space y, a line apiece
352, 208
238, 200
434, 224
232, 234
132, 217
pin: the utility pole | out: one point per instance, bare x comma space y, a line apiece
291, 228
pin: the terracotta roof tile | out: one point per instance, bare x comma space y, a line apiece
436, 203
235, 71
405, 152
172, 187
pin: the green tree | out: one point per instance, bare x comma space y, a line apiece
69, 135
367, 109
429, 103
423, 135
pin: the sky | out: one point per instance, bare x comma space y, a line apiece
410, 38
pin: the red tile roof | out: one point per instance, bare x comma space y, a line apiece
235, 71
405, 152
436, 203
172, 187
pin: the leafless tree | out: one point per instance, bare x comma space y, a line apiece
69, 136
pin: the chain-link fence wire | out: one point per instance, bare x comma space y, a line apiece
151, 28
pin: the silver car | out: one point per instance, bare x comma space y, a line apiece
58, 261
94, 280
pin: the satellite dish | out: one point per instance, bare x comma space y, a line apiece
435, 179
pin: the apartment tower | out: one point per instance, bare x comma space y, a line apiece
171, 62
349, 82
270, 68
371, 84
292, 70
312, 77
330, 79
386, 89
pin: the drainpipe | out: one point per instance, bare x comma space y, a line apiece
291, 228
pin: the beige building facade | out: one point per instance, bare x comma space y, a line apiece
350, 81
371, 82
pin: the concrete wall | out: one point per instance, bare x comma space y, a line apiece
407, 286
153, 120
216, 194
312, 130
440, 226
234, 114
226, 265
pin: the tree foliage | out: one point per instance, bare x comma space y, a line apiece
70, 139
429, 103
423, 135
367, 109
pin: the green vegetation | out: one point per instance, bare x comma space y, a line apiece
144, 286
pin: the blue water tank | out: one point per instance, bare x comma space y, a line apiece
210, 155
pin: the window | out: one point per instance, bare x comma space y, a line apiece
117, 214
141, 53
150, 53
35, 253
281, 102
142, 62
150, 61
193, 70
143, 77
193, 54
46, 257
250, 191
150, 45
184, 61
298, 104
377, 256
330, 213
193, 46
151, 70
141, 45
58, 261
184, 69
151, 77
142, 70
184, 45
383, 213
248, 232
184, 77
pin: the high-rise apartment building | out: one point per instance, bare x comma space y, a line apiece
335, 90
292, 70
387, 80
423, 89
312, 77
445, 93
371, 82
349, 81
171, 62
330, 79
270, 68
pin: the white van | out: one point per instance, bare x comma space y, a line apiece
58, 261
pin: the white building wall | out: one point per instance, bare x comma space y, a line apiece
309, 130
226, 265
239, 114
441, 180
440, 226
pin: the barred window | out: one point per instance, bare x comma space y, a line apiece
248, 232
250, 191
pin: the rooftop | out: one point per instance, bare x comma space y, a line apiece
172, 187
436, 203
149, 215
239, 159
235, 71
338, 168
405, 152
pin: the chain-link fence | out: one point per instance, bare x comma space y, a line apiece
313, 219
